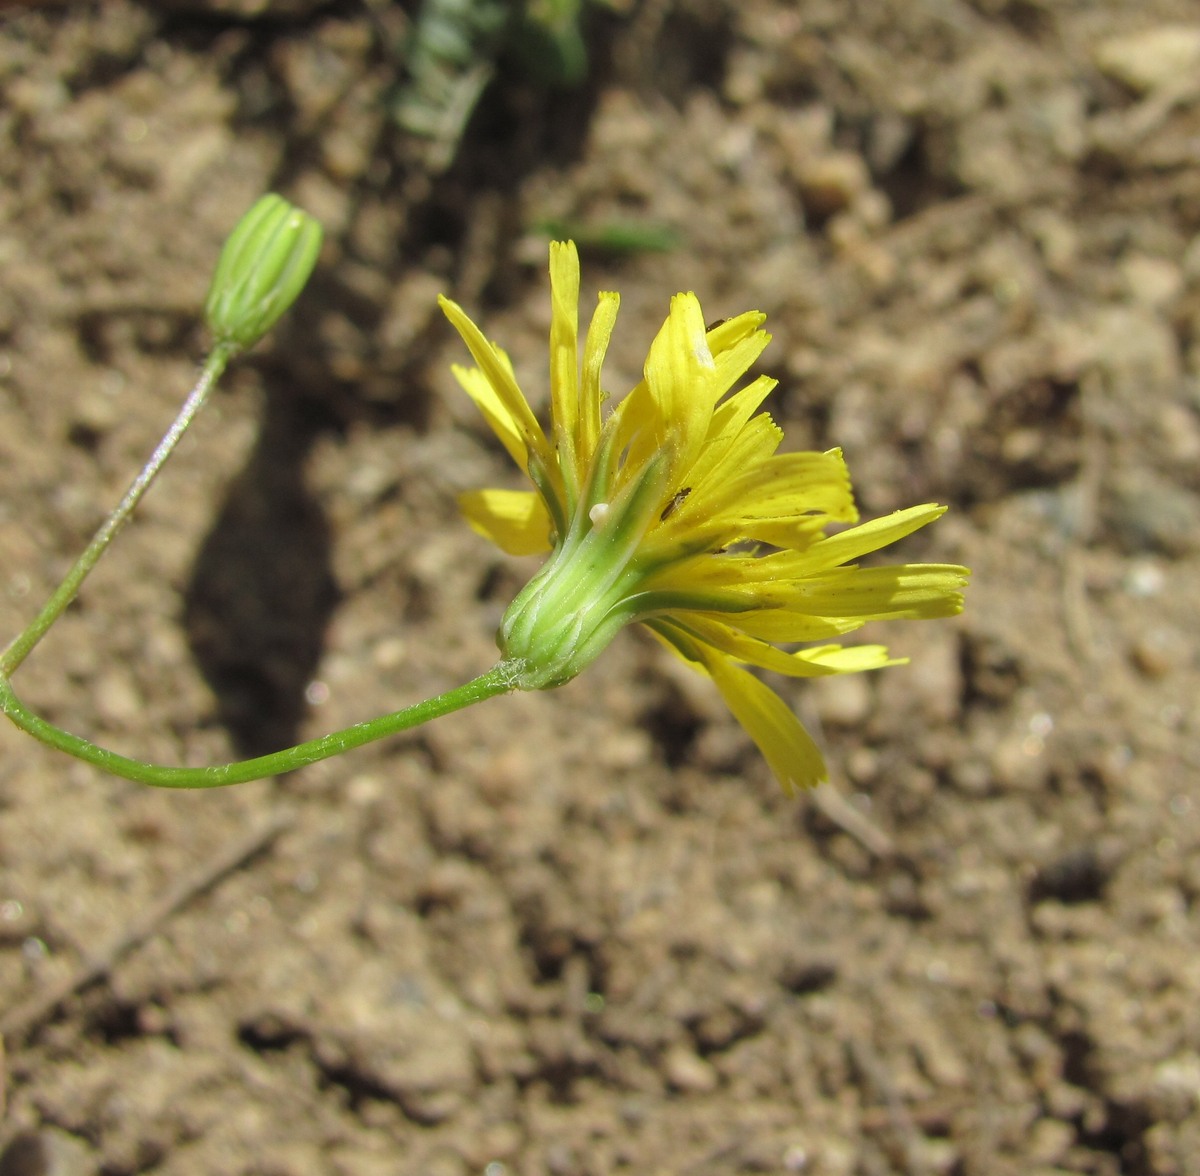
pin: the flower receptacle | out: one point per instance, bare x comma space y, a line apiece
576, 604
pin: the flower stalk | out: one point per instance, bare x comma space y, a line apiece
671, 509
19, 649
498, 680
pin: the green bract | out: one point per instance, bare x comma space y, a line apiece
264, 265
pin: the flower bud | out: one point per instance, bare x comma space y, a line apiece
264, 265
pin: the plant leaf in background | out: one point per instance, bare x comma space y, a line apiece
453, 51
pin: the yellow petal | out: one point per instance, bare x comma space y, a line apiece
688, 370
817, 662
787, 746
789, 486
737, 583
696, 518
869, 536
731, 417
564, 356
839, 659
477, 386
780, 736
498, 372
783, 499
734, 362
731, 331
590, 394
759, 596
516, 521
735, 344
903, 592
796, 534
720, 467
784, 626
680, 384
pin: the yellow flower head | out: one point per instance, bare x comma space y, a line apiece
673, 509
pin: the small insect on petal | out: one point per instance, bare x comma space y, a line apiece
674, 504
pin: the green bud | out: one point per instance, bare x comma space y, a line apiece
264, 265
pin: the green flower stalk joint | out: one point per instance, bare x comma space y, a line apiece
265, 264
673, 510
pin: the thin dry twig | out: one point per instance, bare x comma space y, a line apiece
1076, 617
1076, 621
834, 807
20, 1021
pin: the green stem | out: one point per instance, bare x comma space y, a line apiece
498, 680
24, 645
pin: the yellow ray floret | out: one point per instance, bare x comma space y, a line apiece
675, 510
514, 520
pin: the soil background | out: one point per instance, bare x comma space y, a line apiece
582, 932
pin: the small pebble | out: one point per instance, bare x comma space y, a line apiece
1144, 579
118, 700
48, 1152
1152, 281
689, 1072
1153, 653
833, 182
1158, 58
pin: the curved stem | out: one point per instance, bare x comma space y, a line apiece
498, 680
24, 645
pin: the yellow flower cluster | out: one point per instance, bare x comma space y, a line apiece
673, 509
